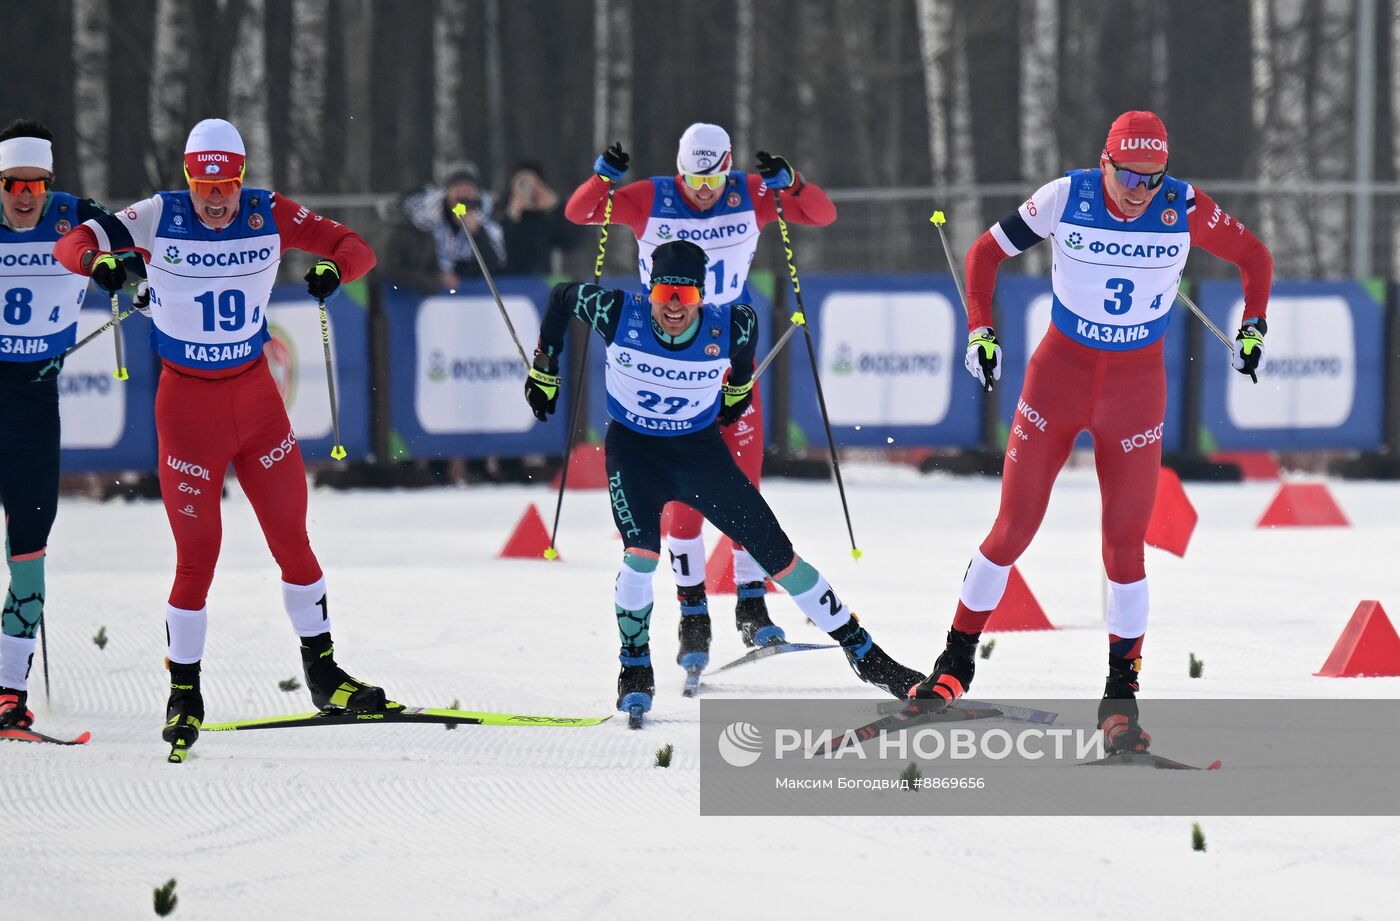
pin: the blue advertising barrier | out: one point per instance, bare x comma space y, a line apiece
1322, 385
456, 383
1024, 315
890, 349
296, 357
109, 424
597, 369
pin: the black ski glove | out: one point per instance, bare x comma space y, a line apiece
323, 279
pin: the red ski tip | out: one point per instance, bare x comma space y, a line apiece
1214, 765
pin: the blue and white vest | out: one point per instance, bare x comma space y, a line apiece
657, 391
728, 233
39, 298
1114, 281
209, 290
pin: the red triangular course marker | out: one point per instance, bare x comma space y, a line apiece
1303, 505
530, 539
587, 469
1368, 646
719, 570
1173, 516
1018, 609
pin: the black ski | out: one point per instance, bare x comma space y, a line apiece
914, 713
29, 735
776, 649
1147, 759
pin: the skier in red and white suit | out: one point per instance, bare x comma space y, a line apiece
1121, 233
212, 254
722, 210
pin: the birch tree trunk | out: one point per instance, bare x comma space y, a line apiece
170, 73
306, 137
1302, 95
745, 24
449, 38
495, 97
1040, 88
248, 103
92, 99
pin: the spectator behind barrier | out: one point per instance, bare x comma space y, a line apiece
534, 223
427, 250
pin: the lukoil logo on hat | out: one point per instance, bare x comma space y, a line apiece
740, 745
704, 150
214, 150
1137, 137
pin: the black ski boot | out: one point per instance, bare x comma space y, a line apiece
871, 663
14, 709
751, 617
694, 632
1118, 711
184, 710
636, 684
952, 672
331, 688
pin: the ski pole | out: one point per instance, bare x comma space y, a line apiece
797, 320
44, 655
816, 376
96, 332
550, 553
337, 449
460, 210
120, 374
938, 220
1201, 315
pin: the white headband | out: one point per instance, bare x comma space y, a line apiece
26, 151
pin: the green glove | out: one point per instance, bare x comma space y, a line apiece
542, 392
736, 402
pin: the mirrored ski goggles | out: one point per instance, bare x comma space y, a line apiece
35, 187
1132, 180
662, 294
696, 181
228, 188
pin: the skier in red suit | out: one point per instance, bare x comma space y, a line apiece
212, 254
722, 210
1121, 233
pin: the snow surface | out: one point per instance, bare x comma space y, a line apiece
417, 822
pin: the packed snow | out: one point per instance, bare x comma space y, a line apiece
416, 822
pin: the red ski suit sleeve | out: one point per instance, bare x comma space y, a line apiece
632, 203
298, 227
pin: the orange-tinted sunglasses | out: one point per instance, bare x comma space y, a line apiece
35, 187
228, 188
697, 181
689, 294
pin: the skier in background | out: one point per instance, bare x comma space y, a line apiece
668, 355
722, 210
1122, 233
38, 323
212, 253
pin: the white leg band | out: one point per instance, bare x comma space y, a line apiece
632, 591
687, 560
984, 584
1127, 608
822, 607
16, 655
306, 607
185, 632
746, 568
